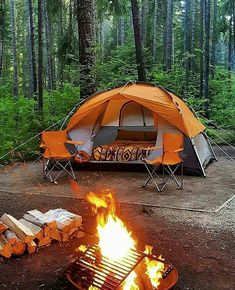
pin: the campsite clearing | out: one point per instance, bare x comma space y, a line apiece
199, 243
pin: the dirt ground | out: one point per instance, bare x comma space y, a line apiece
193, 228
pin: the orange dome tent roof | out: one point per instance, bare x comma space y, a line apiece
158, 100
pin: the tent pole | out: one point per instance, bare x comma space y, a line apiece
197, 154
70, 113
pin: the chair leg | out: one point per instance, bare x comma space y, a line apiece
171, 175
182, 175
151, 176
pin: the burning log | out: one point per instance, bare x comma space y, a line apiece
24, 233
3, 227
5, 247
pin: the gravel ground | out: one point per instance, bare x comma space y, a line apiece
198, 241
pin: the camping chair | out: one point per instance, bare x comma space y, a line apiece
56, 155
170, 156
172, 149
153, 161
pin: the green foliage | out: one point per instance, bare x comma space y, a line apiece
19, 121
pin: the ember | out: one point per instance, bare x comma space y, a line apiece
115, 263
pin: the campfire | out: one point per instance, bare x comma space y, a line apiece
115, 263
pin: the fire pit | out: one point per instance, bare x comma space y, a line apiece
116, 263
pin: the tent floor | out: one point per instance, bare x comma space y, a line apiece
199, 244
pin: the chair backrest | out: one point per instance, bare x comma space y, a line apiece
172, 147
172, 141
55, 141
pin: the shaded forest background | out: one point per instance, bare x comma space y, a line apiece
54, 53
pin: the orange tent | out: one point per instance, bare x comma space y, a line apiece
135, 113
163, 103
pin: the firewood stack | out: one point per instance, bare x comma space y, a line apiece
36, 230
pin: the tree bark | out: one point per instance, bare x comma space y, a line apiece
214, 39
187, 45
144, 21
207, 56
193, 28
49, 68
155, 34
33, 72
2, 34
201, 46
40, 58
138, 41
169, 28
121, 36
13, 31
86, 28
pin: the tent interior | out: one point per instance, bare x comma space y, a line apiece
121, 130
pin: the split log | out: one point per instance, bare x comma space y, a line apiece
31, 247
72, 231
18, 248
24, 233
56, 234
3, 227
10, 237
66, 217
44, 242
65, 237
5, 247
36, 230
43, 218
64, 224
33, 220
46, 231
80, 234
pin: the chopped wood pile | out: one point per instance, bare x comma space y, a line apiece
36, 230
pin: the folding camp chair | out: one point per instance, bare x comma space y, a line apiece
172, 144
55, 154
153, 162
172, 149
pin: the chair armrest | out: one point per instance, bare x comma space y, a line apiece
175, 151
152, 148
74, 142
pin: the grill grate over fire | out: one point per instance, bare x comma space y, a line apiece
93, 269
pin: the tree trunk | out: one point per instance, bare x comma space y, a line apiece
33, 72
2, 34
13, 31
193, 28
201, 46
138, 41
187, 41
49, 68
86, 27
214, 39
169, 28
207, 56
40, 58
144, 21
155, 31
121, 36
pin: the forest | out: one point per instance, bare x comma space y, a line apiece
53, 54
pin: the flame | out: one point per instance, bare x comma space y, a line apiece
130, 282
154, 268
82, 248
115, 241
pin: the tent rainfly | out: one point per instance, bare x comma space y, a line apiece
140, 112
